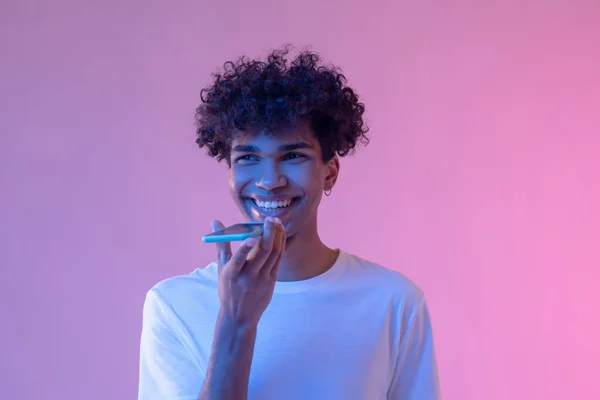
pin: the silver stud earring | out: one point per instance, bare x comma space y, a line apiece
327, 192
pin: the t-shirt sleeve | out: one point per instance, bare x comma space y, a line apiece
416, 373
167, 370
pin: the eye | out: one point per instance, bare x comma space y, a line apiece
245, 159
294, 156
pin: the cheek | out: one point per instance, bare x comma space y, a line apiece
311, 179
232, 185
236, 184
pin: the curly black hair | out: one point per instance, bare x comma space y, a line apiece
252, 94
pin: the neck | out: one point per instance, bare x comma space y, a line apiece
305, 256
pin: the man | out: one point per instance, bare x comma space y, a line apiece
285, 317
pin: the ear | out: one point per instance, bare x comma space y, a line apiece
332, 170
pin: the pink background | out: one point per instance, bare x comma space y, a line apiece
481, 182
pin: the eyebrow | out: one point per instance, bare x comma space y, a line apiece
245, 148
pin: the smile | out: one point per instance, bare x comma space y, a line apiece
273, 208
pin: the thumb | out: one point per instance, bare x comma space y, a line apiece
223, 248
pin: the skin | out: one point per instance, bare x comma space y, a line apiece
297, 173
289, 250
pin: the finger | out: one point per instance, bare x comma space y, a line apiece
240, 257
255, 249
223, 248
275, 252
274, 265
264, 249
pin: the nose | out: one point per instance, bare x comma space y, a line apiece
271, 178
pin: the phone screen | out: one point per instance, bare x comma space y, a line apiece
236, 229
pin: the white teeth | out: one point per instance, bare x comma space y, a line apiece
273, 204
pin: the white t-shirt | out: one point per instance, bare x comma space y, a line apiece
358, 331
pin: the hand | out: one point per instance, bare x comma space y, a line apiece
246, 282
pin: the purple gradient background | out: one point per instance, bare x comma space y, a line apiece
481, 181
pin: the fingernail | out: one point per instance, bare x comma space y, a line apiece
278, 220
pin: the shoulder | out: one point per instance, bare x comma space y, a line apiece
403, 297
179, 290
391, 282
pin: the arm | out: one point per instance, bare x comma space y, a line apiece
229, 365
246, 284
167, 370
416, 374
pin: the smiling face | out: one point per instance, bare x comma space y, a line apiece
281, 175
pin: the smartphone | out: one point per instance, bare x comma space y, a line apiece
239, 231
